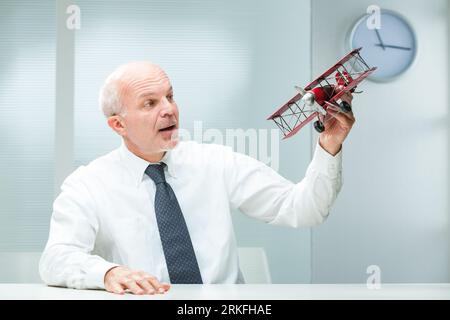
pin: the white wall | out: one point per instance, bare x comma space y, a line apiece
27, 105
393, 209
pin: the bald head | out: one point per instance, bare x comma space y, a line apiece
137, 100
126, 81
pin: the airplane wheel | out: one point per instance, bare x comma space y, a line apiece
345, 107
318, 125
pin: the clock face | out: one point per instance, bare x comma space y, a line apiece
392, 48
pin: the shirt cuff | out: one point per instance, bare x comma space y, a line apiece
95, 279
325, 163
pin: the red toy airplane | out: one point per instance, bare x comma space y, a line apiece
315, 98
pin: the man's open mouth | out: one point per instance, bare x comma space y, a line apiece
168, 128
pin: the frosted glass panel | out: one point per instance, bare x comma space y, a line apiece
232, 63
27, 69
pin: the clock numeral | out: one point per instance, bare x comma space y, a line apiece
374, 20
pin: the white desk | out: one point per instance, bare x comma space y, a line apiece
240, 292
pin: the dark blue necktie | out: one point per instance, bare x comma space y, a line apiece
176, 242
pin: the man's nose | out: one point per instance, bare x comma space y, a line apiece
168, 108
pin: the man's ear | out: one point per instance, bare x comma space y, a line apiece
117, 124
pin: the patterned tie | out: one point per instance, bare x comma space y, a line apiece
176, 242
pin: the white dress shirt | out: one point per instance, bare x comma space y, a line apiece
104, 215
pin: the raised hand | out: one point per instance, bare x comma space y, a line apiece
337, 126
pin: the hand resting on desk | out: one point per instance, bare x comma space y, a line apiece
121, 279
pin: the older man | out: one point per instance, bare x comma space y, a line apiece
157, 211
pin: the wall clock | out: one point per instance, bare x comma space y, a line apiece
392, 48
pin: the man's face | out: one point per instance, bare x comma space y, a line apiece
151, 114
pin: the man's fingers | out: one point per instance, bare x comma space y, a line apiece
142, 280
336, 110
346, 119
166, 286
117, 288
121, 279
156, 284
144, 284
133, 286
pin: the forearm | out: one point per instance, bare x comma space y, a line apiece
68, 266
308, 203
330, 146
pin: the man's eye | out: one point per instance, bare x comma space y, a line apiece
170, 97
149, 103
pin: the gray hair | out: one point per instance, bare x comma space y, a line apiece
109, 97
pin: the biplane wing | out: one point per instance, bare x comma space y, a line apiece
329, 72
292, 116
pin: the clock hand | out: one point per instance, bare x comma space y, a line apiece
379, 38
391, 46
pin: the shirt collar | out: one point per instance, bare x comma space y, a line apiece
137, 165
